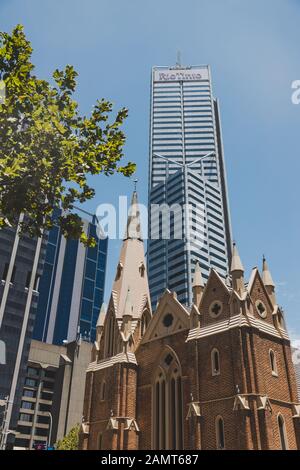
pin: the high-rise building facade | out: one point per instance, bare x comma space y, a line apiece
186, 169
51, 289
71, 287
21, 264
52, 399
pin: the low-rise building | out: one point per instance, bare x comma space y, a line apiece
52, 398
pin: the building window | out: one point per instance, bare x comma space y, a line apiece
31, 382
215, 362
25, 417
160, 412
273, 363
29, 393
103, 391
215, 309
167, 405
44, 407
261, 308
144, 322
111, 336
220, 434
282, 432
32, 371
168, 320
27, 405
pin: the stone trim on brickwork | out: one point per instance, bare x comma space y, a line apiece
109, 362
237, 321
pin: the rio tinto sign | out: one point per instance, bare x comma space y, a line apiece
169, 75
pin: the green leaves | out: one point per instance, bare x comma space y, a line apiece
47, 149
70, 441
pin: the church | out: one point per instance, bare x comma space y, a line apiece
215, 375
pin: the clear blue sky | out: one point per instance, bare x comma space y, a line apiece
253, 49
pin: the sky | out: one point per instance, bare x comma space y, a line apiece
252, 47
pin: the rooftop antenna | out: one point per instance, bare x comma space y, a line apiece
178, 59
135, 183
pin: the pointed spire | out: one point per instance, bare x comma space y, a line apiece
268, 281
198, 285
236, 263
100, 321
266, 275
133, 228
131, 271
198, 279
237, 271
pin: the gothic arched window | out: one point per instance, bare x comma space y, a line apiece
159, 430
167, 401
103, 390
110, 339
215, 362
282, 432
273, 363
144, 322
220, 433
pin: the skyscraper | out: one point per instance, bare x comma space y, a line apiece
21, 264
71, 287
186, 169
51, 289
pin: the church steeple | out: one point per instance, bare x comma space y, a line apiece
237, 271
133, 227
131, 273
198, 285
100, 322
268, 282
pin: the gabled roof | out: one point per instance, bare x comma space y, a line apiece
252, 279
214, 274
168, 303
256, 275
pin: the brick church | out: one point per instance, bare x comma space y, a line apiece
216, 375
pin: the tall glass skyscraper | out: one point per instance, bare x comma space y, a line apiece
71, 287
186, 169
21, 266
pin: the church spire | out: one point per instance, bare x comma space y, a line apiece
237, 271
131, 273
100, 322
133, 228
268, 281
198, 285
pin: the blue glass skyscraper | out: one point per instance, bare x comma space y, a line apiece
71, 287
187, 169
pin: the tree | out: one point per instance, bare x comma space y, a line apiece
70, 441
47, 149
